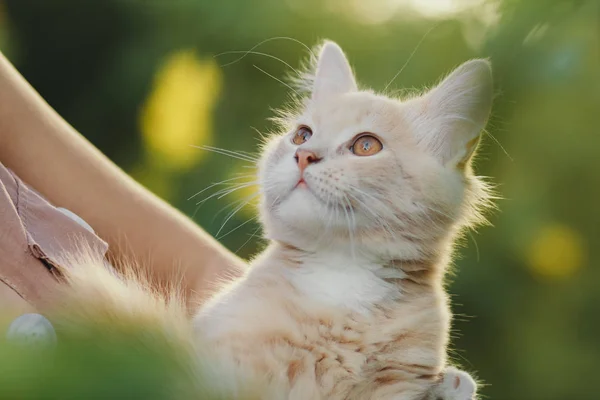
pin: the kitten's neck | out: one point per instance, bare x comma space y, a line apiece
334, 276
393, 268
338, 254
356, 281
393, 256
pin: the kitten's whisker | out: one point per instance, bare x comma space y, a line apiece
237, 227
474, 242
329, 224
249, 239
351, 211
499, 144
350, 229
237, 209
240, 153
377, 219
229, 153
249, 184
265, 41
227, 207
226, 191
261, 136
329, 216
217, 193
411, 55
220, 183
374, 199
274, 202
258, 53
277, 79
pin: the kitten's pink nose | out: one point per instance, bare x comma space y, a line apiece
304, 158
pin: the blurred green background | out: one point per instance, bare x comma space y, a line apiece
143, 81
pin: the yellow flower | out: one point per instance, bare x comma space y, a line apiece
557, 252
178, 111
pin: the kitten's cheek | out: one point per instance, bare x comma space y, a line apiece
279, 184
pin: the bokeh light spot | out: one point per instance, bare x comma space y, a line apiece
557, 252
178, 112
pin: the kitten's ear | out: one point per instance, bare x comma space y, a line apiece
333, 74
449, 118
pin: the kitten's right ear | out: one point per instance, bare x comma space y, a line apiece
333, 74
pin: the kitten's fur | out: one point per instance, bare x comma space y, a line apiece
347, 301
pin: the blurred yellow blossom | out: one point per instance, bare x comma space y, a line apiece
557, 252
178, 111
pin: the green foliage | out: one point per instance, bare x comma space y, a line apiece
97, 362
529, 282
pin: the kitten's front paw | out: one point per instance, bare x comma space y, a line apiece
455, 385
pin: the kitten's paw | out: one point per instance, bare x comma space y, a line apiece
455, 385
32, 330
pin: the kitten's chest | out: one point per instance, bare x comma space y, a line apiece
342, 282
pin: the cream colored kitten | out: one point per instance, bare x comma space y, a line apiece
362, 198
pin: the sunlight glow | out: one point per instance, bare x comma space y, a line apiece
380, 11
439, 8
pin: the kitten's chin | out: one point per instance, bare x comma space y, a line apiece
302, 209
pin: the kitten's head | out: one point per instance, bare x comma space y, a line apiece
369, 170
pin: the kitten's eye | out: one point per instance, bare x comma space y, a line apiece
302, 135
366, 145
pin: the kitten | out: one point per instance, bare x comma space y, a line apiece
362, 198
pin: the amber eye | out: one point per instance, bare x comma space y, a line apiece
302, 135
366, 145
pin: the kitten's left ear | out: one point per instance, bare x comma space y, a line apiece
449, 119
333, 74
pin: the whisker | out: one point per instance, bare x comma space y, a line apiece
474, 242
386, 214
277, 79
411, 55
237, 227
240, 153
226, 191
350, 230
261, 135
499, 144
227, 207
229, 153
329, 217
238, 188
237, 209
219, 183
265, 41
248, 240
258, 53
376, 218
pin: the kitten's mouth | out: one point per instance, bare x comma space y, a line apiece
301, 183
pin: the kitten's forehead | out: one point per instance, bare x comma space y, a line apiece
359, 112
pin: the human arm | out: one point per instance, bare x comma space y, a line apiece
51, 156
